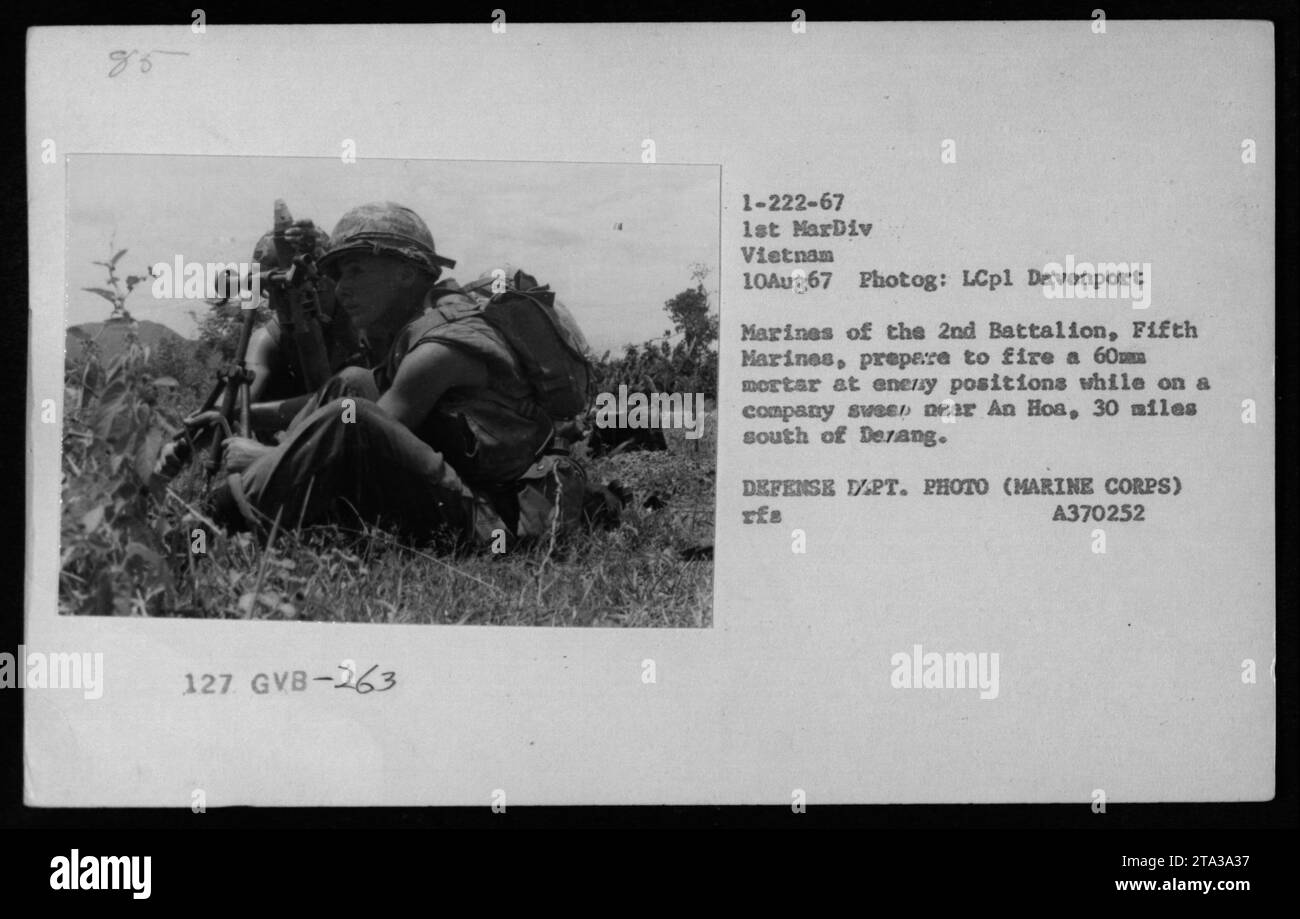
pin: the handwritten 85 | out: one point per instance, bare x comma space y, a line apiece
347, 676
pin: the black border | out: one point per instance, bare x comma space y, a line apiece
1279, 813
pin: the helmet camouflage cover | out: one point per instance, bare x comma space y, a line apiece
384, 227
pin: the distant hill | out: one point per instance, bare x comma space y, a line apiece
112, 336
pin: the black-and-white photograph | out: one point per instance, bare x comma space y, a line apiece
870, 413
401, 391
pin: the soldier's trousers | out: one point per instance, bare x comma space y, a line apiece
345, 460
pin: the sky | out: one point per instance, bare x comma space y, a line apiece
614, 241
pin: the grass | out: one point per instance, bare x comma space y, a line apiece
635, 575
126, 548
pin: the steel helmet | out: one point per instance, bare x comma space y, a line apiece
383, 227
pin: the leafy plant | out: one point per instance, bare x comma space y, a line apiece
116, 295
114, 539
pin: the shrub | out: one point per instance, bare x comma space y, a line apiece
115, 540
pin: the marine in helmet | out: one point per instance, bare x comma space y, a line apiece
443, 432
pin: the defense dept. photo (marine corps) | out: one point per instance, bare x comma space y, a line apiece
405, 391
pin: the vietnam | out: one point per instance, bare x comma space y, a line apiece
765, 256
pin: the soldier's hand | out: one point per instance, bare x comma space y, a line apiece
304, 236
171, 458
242, 452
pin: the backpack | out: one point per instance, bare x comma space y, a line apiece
552, 351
